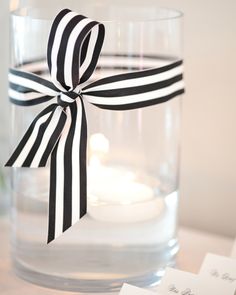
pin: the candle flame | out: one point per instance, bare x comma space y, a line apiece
14, 5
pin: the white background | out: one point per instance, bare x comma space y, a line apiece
208, 164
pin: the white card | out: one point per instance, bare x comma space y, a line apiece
184, 283
233, 254
219, 268
132, 290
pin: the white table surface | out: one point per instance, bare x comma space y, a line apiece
193, 247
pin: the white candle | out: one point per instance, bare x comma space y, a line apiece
114, 194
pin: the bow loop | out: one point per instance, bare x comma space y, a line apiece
74, 47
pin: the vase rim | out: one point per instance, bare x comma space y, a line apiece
159, 14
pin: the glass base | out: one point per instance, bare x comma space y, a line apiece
94, 255
102, 282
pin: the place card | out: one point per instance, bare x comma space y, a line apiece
219, 268
133, 290
178, 282
184, 283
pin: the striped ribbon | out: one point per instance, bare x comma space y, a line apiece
60, 130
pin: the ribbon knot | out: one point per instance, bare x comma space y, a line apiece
64, 99
60, 130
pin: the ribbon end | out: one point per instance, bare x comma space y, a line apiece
49, 240
10, 163
83, 211
52, 236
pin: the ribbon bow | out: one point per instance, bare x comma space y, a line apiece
60, 130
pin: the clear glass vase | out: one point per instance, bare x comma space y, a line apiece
129, 232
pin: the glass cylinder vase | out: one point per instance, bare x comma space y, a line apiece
129, 231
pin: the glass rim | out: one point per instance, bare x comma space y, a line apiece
176, 14
171, 14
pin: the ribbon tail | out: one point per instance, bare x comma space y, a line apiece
40, 139
68, 181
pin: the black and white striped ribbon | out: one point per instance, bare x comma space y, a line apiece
60, 130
